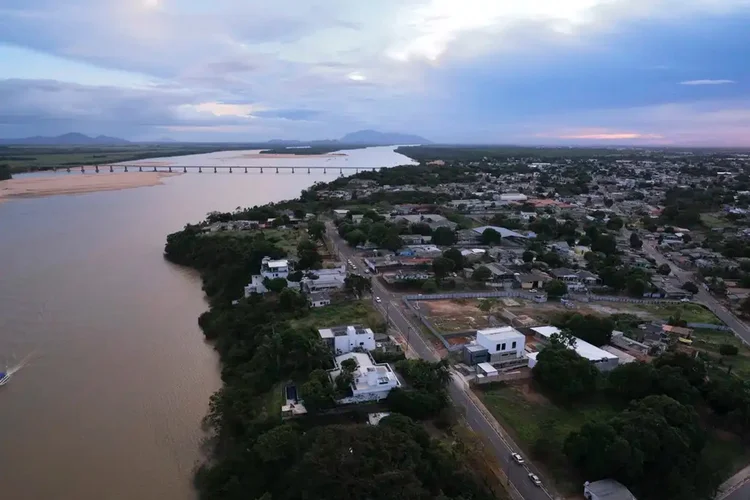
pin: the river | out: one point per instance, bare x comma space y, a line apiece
110, 403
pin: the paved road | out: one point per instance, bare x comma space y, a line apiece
703, 297
392, 308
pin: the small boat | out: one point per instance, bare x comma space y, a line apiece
4, 377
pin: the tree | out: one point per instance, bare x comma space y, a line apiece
356, 237
429, 286
693, 369
454, 254
591, 328
556, 288
491, 237
316, 230
615, 223
378, 233
632, 381
421, 228
444, 237
605, 244
317, 392
636, 285
690, 287
275, 285
745, 306
481, 274
664, 269
564, 374
635, 241
392, 241
728, 350
528, 256
357, 284
5, 173
308, 256
441, 267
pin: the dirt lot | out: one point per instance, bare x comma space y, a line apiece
451, 316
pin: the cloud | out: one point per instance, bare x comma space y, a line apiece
707, 82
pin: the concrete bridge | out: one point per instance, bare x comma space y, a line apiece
134, 167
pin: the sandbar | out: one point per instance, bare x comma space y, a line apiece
287, 155
27, 187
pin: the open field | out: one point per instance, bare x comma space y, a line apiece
348, 313
533, 419
283, 238
710, 341
451, 316
26, 158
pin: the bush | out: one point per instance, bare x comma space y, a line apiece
728, 350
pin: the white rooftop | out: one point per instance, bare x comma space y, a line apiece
583, 348
487, 368
278, 263
497, 334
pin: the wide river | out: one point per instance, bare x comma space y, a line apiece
109, 405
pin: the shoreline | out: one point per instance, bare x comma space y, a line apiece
38, 187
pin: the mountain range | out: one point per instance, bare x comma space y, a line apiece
363, 137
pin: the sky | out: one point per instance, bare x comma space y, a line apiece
578, 72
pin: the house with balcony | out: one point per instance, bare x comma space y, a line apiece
346, 339
371, 381
269, 269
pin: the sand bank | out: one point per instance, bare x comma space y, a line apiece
77, 183
287, 155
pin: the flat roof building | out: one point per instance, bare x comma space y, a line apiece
602, 359
371, 381
502, 342
606, 489
345, 339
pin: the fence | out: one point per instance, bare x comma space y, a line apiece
501, 377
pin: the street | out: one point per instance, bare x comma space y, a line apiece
391, 307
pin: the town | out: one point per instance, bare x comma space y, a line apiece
579, 313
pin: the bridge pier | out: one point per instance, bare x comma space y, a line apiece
261, 170
200, 170
230, 170
126, 168
245, 169
54, 169
308, 170
184, 170
170, 170
277, 170
154, 169
83, 170
68, 169
97, 168
140, 169
215, 171
341, 172
111, 169
292, 169
324, 170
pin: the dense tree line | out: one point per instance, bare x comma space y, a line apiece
4, 172
657, 444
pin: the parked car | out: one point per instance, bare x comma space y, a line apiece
377, 299
517, 458
535, 479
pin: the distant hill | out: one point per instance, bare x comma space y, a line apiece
382, 138
71, 139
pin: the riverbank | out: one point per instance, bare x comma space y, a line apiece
32, 187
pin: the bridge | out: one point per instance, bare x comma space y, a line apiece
133, 167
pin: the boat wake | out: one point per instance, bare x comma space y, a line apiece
9, 371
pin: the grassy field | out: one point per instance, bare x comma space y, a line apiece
692, 313
713, 220
271, 401
532, 417
347, 313
711, 340
24, 158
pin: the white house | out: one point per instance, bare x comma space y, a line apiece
319, 299
372, 381
270, 269
345, 339
606, 489
513, 197
326, 280
602, 359
503, 342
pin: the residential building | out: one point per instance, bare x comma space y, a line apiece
324, 280
500, 274
503, 342
513, 197
372, 381
570, 276
532, 281
345, 339
433, 220
504, 232
269, 269
603, 360
475, 354
606, 489
319, 299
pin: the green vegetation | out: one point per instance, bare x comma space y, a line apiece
265, 341
29, 158
691, 313
4, 172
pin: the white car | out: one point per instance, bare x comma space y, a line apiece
535, 479
517, 458
377, 299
